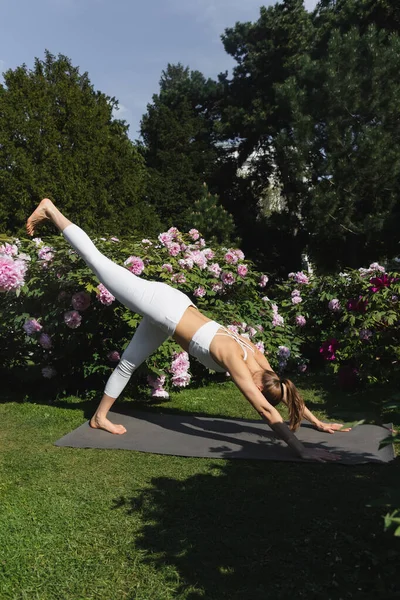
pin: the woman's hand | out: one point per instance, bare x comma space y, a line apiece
331, 427
319, 455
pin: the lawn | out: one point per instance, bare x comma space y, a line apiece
112, 524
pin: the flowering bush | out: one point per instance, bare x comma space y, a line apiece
61, 322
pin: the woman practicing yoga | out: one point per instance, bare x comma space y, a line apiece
167, 312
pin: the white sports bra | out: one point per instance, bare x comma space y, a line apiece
199, 346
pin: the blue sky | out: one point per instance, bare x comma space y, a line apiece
124, 44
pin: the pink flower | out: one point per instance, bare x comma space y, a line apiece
334, 305
233, 328
199, 292
45, 341
174, 248
178, 278
165, 238
80, 301
378, 283
49, 372
239, 254
357, 304
167, 267
179, 369
135, 265
283, 352
296, 299
260, 346
201, 243
263, 281
194, 234
215, 269
208, 253
186, 263
217, 287
300, 321
173, 232
114, 239
9, 249
31, 326
46, 253
157, 385
37, 241
147, 242
198, 258
242, 270
328, 349
260, 327
277, 320
227, 278
299, 277
72, 319
252, 332
114, 356
12, 273
104, 295
231, 257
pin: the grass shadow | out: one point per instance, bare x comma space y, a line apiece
251, 531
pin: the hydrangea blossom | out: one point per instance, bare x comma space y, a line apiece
233, 328
72, 319
296, 299
217, 287
198, 258
12, 273
167, 267
283, 352
263, 281
239, 254
199, 292
208, 253
373, 269
104, 295
300, 320
135, 265
173, 232
251, 331
31, 326
80, 301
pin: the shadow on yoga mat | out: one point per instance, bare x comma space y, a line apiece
209, 437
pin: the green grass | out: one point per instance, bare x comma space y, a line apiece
112, 525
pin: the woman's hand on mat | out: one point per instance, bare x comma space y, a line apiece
331, 427
319, 455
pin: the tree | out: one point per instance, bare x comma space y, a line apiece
178, 142
58, 137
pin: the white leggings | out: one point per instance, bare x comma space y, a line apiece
161, 305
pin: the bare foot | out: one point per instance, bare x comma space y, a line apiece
41, 213
105, 424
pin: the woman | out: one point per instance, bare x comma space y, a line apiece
167, 312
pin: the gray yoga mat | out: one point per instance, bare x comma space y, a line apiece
209, 437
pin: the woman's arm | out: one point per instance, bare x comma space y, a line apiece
326, 427
243, 380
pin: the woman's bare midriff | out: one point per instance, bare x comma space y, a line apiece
191, 322
220, 346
